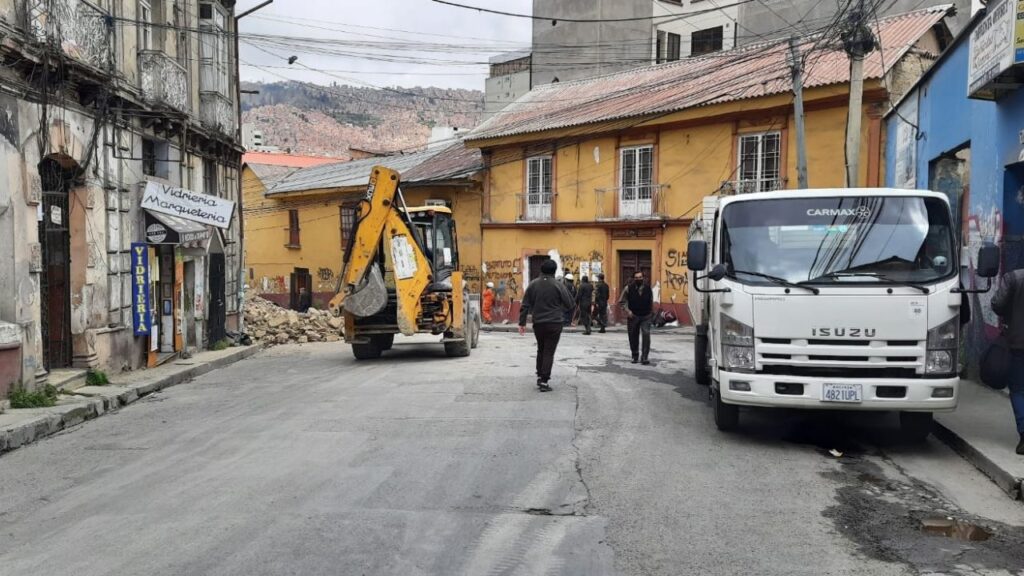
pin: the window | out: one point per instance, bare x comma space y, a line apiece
146, 25
759, 162
293, 229
636, 191
154, 158
538, 188
667, 46
706, 41
210, 177
213, 49
348, 219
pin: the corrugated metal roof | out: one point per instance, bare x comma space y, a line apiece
744, 73
455, 161
344, 175
270, 174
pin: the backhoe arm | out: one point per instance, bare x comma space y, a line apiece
380, 223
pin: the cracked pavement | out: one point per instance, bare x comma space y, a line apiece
303, 461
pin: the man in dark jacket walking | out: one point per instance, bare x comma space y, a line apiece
638, 301
571, 287
584, 300
1008, 303
547, 300
601, 295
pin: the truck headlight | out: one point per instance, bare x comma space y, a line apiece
737, 345
736, 333
738, 358
943, 348
939, 362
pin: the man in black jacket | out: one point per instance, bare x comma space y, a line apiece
584, 300
547, 300
601, 295
1008, 303
638, 301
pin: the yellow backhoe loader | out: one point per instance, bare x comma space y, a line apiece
400, 275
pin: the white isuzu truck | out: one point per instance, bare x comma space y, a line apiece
842, 298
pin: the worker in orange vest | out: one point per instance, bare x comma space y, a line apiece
488, 301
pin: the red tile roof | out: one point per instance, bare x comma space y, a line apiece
290, 160
749, 72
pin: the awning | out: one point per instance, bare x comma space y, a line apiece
167, 229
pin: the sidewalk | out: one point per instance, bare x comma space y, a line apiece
25, 425
982, 430
618, 328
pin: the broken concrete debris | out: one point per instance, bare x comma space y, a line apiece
269, 324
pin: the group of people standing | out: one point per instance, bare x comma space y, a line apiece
553, 303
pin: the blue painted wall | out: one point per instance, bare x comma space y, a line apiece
949, 120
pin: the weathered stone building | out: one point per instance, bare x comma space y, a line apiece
106, 106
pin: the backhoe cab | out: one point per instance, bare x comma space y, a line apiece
400, 275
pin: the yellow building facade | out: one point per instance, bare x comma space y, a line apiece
298, 221
595, 190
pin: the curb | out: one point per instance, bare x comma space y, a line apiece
93, 401
1009, 483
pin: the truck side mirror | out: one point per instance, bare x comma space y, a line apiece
697, 255
717, 273
988, 261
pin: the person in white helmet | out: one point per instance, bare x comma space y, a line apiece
488, 301
571, 287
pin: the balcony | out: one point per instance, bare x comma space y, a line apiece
756, 185
533, 207
164, 81
645, 202
217, 112
80, 30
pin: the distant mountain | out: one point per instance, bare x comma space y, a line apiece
329, 120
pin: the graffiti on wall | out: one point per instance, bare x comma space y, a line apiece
504, 274
675, 271
590, 264
471, 274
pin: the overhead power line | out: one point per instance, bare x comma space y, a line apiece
592, 20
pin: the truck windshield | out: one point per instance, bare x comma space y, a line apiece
870, 239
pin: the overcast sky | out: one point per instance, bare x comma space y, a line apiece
357, 42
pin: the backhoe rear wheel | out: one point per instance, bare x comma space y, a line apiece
456, 349
385, 341
367, 351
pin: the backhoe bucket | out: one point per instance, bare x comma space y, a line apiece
368, 298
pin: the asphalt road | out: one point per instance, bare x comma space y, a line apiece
303, 461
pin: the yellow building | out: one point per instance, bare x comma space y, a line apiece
298, 220
605, 175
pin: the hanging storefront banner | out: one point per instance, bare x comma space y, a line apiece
187, 204
141, 318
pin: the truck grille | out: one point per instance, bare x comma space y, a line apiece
840, 358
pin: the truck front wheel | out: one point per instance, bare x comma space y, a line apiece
727, 416
916, 426
701, 373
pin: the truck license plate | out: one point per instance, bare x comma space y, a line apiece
841, 393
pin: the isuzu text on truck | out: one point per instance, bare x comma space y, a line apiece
845, 298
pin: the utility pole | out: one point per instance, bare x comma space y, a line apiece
797, 66
858, 41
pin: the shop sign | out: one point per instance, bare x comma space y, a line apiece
997, 42
141, 318
194, 206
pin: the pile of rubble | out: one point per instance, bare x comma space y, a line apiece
269, 324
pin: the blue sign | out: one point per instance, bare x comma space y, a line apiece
141, 319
